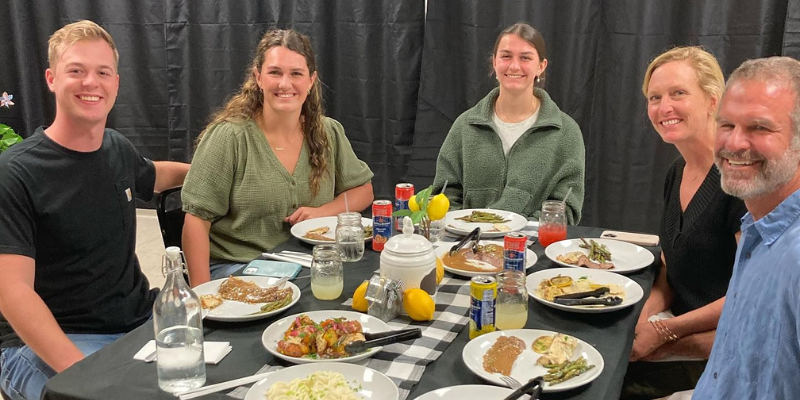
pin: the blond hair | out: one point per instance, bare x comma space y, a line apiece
76, 32
705, 66
249, 101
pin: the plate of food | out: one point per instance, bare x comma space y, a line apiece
245, 298
594, 253
598, 285
323, 230
337, 380
524, 354
487, 261
493, 223
294, 338
469, 392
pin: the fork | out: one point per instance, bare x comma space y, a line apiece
280, 282
511, 382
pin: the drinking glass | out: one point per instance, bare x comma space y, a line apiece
512, 300
327, 274
552, 222
432, 230
350, 236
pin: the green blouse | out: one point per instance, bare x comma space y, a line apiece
238, 184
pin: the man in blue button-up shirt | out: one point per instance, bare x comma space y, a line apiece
756, 353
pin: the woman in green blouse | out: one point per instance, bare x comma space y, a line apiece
269, 159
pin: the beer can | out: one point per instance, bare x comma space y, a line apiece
514, 247
402, 192
483, 293
381, 223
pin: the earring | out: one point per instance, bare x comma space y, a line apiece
309, 91
536, 79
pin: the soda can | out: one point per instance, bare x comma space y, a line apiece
514, 251
381, 223
483, 293
402, 192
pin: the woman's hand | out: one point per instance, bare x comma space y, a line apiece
304, 213
646, 341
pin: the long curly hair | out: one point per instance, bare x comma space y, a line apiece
248, 103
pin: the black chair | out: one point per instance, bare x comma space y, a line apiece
170, 216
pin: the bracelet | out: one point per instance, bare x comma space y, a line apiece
666, 334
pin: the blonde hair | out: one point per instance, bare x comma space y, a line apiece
248, 102
77, 32
706, 67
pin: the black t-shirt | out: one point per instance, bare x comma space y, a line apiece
74, 213
699, 244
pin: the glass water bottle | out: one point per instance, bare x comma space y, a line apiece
178, 323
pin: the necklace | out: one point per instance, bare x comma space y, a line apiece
285, 144
503, 116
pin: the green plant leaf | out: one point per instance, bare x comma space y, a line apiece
402, 213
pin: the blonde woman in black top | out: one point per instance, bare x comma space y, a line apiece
699, 227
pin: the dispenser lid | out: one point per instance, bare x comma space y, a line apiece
408, 242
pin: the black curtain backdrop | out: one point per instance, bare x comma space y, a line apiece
397, 78
598, 52
181, 60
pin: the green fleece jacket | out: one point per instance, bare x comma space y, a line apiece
547, 160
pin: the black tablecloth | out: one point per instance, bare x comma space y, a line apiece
112, 373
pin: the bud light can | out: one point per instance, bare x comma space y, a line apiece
381, 223
514, 251
402, 192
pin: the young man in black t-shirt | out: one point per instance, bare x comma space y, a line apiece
71, 280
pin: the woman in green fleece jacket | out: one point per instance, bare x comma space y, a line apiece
515, 148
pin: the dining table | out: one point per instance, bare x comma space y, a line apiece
113, 373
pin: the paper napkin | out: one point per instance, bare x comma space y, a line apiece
214, 352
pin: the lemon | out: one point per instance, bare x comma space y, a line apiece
561, 281
438, 207
359, 300
439, 270
412, 204
418, 304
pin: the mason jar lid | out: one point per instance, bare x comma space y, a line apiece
408, 243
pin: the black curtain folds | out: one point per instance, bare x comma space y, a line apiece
396, 77
598, 52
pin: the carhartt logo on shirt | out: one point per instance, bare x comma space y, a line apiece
128, 193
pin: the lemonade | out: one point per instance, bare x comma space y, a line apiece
327, 288
511, 316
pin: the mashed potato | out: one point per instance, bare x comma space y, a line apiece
321, 385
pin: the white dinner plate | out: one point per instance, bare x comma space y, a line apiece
301, 228
627, 257
459, 227
633, 292
525, 367
367, 383
231, 310
530, 259
274, 333
469, 392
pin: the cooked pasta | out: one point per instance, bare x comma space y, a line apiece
321, 385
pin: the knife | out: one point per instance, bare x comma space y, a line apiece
605, 301
533, 388
476, 234
580, 295
382, 339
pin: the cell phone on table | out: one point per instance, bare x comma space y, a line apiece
277, 269
642, 239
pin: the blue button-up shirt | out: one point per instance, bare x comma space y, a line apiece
756, 353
